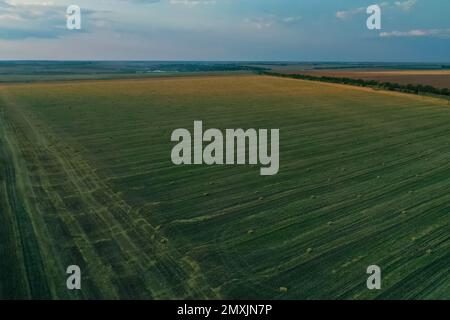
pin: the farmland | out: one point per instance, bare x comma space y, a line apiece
437, 79
86, 179
43, 71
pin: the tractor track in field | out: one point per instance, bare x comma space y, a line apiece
32, 271
120, 253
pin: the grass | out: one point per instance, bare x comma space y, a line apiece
32, 78
364, 179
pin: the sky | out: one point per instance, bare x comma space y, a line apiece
226, 30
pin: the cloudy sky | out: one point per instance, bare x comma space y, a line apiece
313, 30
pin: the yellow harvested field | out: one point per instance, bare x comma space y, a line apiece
435, 78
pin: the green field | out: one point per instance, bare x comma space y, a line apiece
86, 179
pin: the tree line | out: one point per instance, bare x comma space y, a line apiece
408, 88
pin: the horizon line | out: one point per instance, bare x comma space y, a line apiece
228, 61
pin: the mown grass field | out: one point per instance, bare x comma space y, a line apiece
86, 179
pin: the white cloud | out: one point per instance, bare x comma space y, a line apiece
260, 22
192, 3
417, 33
271, 20
406, 5
10, 16
25, 19
345, 14
292, 19
36, 3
